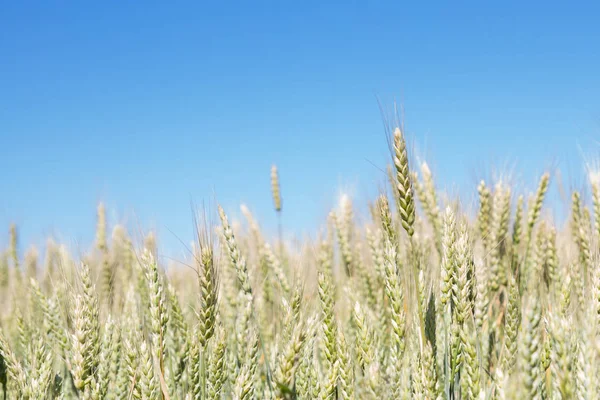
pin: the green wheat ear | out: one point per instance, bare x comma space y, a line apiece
235, 255
13, 250
208, 283
158, 312
483, 219
406, 205
101, 228
534, 211
4, 271
275, 188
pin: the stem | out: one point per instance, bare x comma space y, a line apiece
263, 348
280, 233
415, 273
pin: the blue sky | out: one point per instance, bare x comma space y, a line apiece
150, 107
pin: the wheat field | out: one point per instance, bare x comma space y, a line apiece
419, 300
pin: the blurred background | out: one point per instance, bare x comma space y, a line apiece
153, 107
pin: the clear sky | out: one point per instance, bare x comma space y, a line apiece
150, 105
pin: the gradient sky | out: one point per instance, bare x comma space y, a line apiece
149, 107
